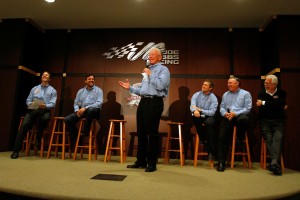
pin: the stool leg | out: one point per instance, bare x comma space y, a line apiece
121, 141
95, 140
51, 139
233, 147
90, 144
248, 151
108, 141
167, 153
265, 155
42, 146
282, 163
181, 146
196, 150
261, 154
124, 143
63, 140
77, 141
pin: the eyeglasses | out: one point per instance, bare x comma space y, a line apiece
266, 83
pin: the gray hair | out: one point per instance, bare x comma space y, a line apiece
273, 78
157, 50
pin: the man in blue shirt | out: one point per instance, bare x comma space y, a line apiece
40, 101
235, 106
154, 87
87, 104
203, 107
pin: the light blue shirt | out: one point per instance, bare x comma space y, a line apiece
86, 98
239, 102
157, 84
207, 103
45, 93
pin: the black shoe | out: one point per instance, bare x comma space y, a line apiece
136, 166
210, 156
271, 168
275, 169
150, 169
14, 155
221, 167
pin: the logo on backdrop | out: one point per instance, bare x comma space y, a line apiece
141, 50
133, 99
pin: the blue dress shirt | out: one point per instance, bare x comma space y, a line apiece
86, 98
239, 102
45, 93
208, 103
157, 84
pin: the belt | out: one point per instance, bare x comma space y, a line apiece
151, 96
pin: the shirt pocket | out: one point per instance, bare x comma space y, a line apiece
240, 101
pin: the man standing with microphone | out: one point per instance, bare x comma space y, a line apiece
154, 87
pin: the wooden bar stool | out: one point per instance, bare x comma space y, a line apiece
198, 152
92, 140
25, 144
110, 139
241, 153
30, 139
59, 135
178, 138
132, 146
162, 150
263, 156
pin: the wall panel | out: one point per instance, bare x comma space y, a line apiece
246, 51
208, 51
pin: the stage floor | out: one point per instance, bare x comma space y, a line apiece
54, 178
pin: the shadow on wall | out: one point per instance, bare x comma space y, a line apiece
179, 111
110, 110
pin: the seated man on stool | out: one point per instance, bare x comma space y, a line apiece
272, 104
235, 106
87, 105
40, 101
203, 107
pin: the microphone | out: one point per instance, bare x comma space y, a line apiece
147, 63
228, 110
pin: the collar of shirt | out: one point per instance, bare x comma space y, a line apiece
86, 87
271, 93
151, 66
235, 91
44, 85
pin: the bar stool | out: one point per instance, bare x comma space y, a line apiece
178, 138
199, 152
263, 156
30, 139
240, 153
110, 139
92, 141
25, 144
132, 146
59, 133
162, 135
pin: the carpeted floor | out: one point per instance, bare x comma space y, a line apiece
33, 177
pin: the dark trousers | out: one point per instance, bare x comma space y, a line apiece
273, 132
72, 119
42, 117
206, 131
225, 134
148, 117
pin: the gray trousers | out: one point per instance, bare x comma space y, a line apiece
273, 132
